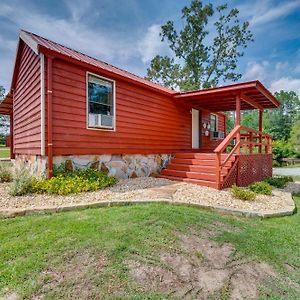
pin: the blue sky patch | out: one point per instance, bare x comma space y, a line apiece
126, 33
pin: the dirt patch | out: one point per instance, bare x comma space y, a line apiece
73, 279
202, 269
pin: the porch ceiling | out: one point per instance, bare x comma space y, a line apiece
253, 94
6, 105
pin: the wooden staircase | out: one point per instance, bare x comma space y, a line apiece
197, 168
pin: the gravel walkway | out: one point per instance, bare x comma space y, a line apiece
150, 188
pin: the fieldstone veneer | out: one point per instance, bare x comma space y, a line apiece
121, 166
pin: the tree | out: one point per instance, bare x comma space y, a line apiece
295, 135
201, 58
282, 119
4, 120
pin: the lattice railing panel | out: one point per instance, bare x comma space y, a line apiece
253, 167
231, 178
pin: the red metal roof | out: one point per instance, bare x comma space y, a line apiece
224, 98
43, 43
214, 99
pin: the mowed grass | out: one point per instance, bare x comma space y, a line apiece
4, 152
34, 249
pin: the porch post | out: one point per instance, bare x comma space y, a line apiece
260, 128
238, 120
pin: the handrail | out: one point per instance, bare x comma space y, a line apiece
224, 144
246, 140
255, 131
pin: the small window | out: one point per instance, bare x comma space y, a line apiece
101, 110
213, 122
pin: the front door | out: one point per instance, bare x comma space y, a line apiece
195, 129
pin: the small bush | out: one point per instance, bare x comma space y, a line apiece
279, 181
73, 182
242, 194
262, 188
5, 173
22, 183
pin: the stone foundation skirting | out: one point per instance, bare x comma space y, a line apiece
121, 166
35, 164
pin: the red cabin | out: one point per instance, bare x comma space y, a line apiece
65, 105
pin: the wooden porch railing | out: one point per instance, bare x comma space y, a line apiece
241, 140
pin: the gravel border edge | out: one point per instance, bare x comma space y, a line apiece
290, 208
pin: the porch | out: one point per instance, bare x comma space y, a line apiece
244, 155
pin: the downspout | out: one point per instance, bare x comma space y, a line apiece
11, 133
49, 116
42, 65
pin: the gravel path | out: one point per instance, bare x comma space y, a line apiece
287, 171
149, 188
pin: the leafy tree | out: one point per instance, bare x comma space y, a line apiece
282, 119
295, 135
201, 58
4, 120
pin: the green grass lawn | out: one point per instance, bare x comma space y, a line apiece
94, 244
4, 152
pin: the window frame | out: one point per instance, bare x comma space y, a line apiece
87, 102
217, 122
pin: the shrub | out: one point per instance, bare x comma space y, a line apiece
242, 194
5, 173
73, 182
22, 183
282, 149
262, 187
279, 181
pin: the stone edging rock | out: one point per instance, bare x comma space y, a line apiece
287, 211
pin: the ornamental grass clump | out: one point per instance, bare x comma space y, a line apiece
242, 194
74, 182
262, 188
22, 182
5, 173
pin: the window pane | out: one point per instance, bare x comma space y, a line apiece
100, 91
213, 122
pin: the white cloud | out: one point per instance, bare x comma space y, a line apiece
256, 71
77, 32
273, 13
266, 11
285, 83
151, 44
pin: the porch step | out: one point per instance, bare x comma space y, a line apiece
200, 162
192, 175
190, 180
202, 156
195, 168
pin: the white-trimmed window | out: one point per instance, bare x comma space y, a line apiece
213, 122
100, 102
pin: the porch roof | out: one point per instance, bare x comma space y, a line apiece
6, 105
253, 95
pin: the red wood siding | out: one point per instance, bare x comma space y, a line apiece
146, 121
26, 105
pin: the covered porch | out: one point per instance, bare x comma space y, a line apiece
6, 108
245, 154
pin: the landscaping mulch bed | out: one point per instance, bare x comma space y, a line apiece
153, 189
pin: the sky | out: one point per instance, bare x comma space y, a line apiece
125, 33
